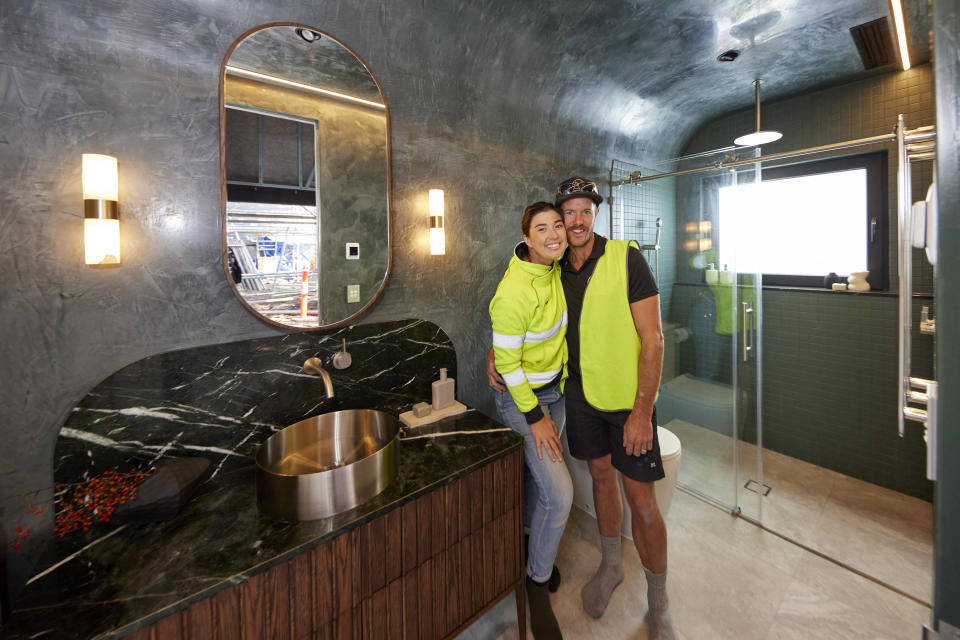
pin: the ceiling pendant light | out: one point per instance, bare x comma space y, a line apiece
757, 137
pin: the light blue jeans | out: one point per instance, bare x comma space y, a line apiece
547, 488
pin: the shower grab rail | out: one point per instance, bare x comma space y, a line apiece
912, 146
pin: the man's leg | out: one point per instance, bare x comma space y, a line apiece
606, 500
650, 538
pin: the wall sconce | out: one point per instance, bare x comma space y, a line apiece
437, 239
101, 222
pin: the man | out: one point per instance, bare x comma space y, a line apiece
615, 348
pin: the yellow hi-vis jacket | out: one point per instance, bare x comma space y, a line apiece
609, 344
529, 317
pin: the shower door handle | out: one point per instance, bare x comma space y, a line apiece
747, 326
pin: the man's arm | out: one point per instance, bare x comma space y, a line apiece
495, 379
638, 430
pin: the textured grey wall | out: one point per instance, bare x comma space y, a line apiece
139, 81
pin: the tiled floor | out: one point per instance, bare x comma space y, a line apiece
728, 579
883, 533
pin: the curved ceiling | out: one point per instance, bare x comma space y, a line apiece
647, 72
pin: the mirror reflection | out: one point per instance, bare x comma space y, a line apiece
306, 170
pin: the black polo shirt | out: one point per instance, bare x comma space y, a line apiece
640, 285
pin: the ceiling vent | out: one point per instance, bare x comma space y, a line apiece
874, 43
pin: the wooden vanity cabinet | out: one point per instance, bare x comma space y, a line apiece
426, 569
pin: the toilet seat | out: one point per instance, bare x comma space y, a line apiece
669, 444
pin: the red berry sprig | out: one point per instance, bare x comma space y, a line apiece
80, 504
95, 499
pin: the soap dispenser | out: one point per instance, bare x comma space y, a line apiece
443, 391
710, 274
726, 277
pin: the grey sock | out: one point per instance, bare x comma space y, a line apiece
660, 624
596, 593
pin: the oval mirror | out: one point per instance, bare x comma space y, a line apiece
305, 177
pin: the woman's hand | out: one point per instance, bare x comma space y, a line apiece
545, 434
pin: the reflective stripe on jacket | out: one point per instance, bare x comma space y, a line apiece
529, 318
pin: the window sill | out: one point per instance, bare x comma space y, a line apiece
777, 287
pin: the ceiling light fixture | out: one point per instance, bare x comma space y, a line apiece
896, 8
757, 137
308, 35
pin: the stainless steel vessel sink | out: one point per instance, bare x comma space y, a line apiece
326, 464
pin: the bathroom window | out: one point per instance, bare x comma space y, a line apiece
804, 221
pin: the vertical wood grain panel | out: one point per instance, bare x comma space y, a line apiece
408, 517
324, 603
343, 627
438, 531
451, 508
365, 561
487, 488
498, 482
142, 634
476, 499
439, 584
395, 610
454, 585
393, 532
226, 609
425, 598
198, 621
489, 570
342, 564
302, 600
378, 547
381, 622
169, 628
277, 601
353, 544
463, 514
411, 605
252, 608
510, 536
424, 529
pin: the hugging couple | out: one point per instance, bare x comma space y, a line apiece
577, 343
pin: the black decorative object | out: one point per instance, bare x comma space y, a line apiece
162, 495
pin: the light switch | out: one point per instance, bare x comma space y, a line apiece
353, 293
353, 251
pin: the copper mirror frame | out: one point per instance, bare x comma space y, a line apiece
223, 184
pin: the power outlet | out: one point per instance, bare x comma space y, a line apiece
353, 293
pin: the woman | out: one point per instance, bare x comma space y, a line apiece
529, 317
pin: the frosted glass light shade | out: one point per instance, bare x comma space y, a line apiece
99, 176
438, 244
436, 202
757, 138
101, 241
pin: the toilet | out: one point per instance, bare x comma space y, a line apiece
670, 451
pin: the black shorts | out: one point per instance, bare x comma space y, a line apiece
592, 434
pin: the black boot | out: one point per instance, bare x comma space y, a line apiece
554, 582
543, 623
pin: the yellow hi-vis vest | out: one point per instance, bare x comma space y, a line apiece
529, 318
609, 344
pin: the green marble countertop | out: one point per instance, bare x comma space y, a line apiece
127, 577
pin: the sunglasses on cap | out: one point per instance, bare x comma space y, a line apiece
578, 187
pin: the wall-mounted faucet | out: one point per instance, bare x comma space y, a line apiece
314, 367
